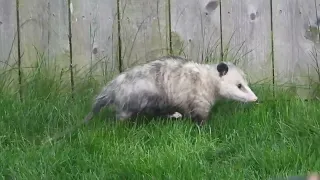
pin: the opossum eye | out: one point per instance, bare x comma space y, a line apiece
239, 86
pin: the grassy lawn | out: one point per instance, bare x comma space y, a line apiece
252, 141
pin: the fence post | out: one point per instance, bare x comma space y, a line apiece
170, 35
119, 37
19, 50
70, 49
272, 51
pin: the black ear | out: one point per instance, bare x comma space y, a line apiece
222, 69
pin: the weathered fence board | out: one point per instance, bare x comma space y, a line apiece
143, 30
94, 37
34, 31
296, 40
195, 27
43, 26
8, 35
246, 37
58, 43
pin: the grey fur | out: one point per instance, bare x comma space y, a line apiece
167, 85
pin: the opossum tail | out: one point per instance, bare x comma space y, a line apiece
104, 99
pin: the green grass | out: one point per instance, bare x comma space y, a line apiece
252, 141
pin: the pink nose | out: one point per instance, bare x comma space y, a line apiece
255, 98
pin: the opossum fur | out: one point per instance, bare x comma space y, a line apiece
173, 84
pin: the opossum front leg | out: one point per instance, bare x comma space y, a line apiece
200, 119
200, 114
175, 115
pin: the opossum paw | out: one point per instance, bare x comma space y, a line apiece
122, 116
199, 120
175, 115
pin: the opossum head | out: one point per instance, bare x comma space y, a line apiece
233, 83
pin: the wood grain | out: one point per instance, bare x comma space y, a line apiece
195, 28
246, 27
94, 36
43, 26
143, 30
8, 35
296, 41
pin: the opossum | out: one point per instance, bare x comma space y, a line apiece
172, 84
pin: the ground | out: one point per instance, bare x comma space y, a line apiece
240, 141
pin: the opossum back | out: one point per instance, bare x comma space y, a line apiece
169, 58
139, 95
142, 87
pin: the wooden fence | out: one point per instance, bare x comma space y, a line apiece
275, 41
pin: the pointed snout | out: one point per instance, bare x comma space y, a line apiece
253, 98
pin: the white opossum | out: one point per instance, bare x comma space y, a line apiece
172, 84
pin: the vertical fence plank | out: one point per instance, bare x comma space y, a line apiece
246, 37
195, 29
57, 40
296, 45
8, 35
143, 30
44, 41
94, 37
34, 32
9, 72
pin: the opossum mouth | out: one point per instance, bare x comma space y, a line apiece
245, 100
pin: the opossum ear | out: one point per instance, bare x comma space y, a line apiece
222, 69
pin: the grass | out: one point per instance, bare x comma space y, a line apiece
251, 141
